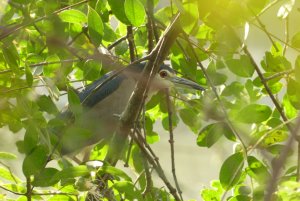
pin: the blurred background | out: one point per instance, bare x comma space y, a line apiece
195, 166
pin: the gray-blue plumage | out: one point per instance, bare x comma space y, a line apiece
103, 102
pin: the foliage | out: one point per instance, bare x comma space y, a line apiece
48, 47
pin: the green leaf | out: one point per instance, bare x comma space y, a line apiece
289, 109
91, 70
74, 102
240, 198
165, 121
95, 26
11, 56
135, 12
6, 174
296, 40
128, 189
45, 178
214, 194
241, 67
231, 170
50, 70
257, 170
215, 77
117, 7
46, 104
109, 34
190, 118
234, 89
293, 93
256, 5
35, 161
114, 172
29, 77
297, 68
73, 16
254, 113
275, 63
210, 134
7, 156
70, 172
152, 137
274, 137
189, 16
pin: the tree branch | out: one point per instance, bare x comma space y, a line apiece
171, 141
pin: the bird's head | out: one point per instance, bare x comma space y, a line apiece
167, 78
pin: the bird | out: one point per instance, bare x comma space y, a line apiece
103, 102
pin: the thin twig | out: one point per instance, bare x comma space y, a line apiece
271, 95
10, 172
13, 192
111, 46
229, 123
128, 153
42, 64
21, 88
134, 106
157, 168
21, 26
149, 25
279, 163
280, 74
270, 5
286, 35
171, 141
277, 38
131, 44
263, 28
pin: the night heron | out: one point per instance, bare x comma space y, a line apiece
103, 102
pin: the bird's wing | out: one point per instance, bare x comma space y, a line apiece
91, 95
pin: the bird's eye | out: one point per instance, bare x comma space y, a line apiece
163, 74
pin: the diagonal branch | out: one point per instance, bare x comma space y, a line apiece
134, 106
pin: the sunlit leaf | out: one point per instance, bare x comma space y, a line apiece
254, 113
297, 68
135, 12
95, 26
240, 198
70, 172
11, 56
257, 170
231, 170
241, 67
50, 70
293, 92
6, 174
73, 16
7, 156
289, 109
274, 137
212, 194
117, 7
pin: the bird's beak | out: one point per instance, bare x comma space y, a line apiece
186, 83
